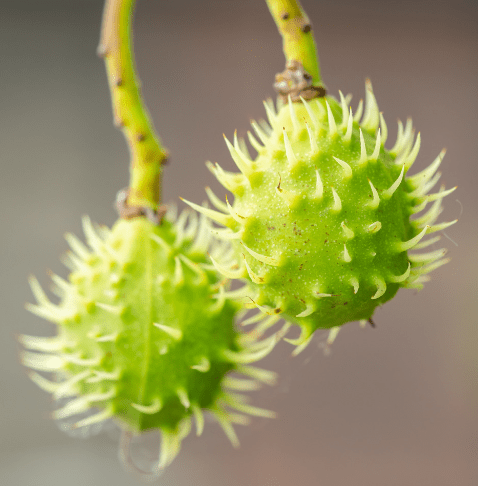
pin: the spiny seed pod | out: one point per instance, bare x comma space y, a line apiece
324, 217
139, 337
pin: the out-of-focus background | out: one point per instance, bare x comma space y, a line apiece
395, 405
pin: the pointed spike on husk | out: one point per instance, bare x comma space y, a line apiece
226, 426
244, 149
266, 127
203, 238
183, 397
92, 237
407, 245
237, 217
313, 142
418, 207
345, 111
199, 418
41, 361
237, 294
354, 283
180, 228
388, 193
373, 204
440, 227
254, 142
350, 125
383, 129
425, 175
170, 446
115, 310
61, 283
378, 146
310, 112
427, 243
243, 166
38, 292
291, 158
430, 216
304, 336
301, 347
262, 258
50, 313
374, 227
271, 116
245, 357
332, 336
438, 195
337, 207
408, 133
240, 384
309, 309
398, 144
253, 276
220, 218
176, 334
69, 387
358, 113
319, 187
228, 272
346, 167
431, 267
193, 267
178, 272
94, 419
264, 376
160, 241
44, 344
293, 116
291, 199
154, 407
77, 246
346, 256
331, 120
363, 150
400, 278
215, 201
251, 410
203, 366
43, 383
412, 156
371, 117
264, 138
73, 407
224, 179
423, 189
349, 234
381, 287
192, 227
424, 258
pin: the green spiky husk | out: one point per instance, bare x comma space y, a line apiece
140, 336
322, 216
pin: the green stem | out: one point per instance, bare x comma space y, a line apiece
130, 114
296, 31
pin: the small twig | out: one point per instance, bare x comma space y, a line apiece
302, 74
130, 114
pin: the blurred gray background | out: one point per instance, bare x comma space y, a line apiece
395, 405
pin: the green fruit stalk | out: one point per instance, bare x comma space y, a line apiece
325, 219
140, 339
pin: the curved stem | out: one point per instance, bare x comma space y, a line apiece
130, 114
296, 31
